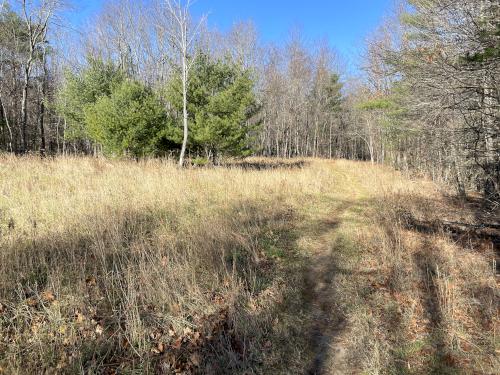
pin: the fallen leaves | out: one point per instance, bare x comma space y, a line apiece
177, 344
91, 281
79, 317
159, 349
465, 346
175, 308
196, 336
195, 359
48, 296
182, 350
218, 299
32, 301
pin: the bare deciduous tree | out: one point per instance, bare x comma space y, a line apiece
182, 35
37, 16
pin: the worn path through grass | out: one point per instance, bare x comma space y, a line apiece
376, 295
328, 241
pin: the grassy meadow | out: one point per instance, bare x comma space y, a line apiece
259, 267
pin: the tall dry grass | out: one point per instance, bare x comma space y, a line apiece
105, 264
432, 303
124, 267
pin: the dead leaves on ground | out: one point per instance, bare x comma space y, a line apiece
48, 296
182, 352
91, 281
43, 299
177, 350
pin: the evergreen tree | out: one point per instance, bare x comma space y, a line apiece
221, 106
131, 120
84, 89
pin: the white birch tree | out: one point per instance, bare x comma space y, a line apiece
182, 35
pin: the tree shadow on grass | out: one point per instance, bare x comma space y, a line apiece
442, 361
296, 332
97, 265
442, 357
481, 235
258, 165
293, 328
328, 318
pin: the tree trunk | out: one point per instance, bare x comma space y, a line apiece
330, 142
41, 118
7, 123
24, 111
184, 108
64, 138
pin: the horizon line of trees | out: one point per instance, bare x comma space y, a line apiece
144, 79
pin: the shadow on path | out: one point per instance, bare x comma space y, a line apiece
328, 320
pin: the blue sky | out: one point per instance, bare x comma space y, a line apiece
345, 23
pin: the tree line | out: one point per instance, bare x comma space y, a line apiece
146, 79
433, 87
117, 88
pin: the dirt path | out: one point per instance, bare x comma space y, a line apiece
322, 290
326, 336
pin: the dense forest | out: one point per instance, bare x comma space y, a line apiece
145, 79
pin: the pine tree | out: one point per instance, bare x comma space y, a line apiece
130, 121
221, 107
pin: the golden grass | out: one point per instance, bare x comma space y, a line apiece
262, 266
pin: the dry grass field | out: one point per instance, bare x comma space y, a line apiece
260, 267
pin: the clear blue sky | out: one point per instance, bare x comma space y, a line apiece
345, 23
